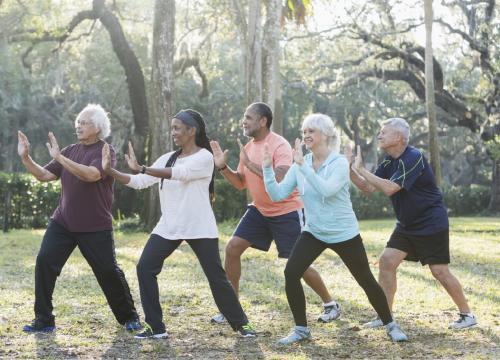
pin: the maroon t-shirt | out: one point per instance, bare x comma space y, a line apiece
84, 206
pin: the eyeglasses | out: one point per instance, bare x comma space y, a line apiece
84, 123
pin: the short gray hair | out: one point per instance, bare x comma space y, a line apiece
99, 117
325, 124
401, 125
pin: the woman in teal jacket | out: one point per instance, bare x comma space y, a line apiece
322, 179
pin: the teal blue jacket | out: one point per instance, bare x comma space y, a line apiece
325, 193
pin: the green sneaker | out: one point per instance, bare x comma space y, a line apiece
247, 331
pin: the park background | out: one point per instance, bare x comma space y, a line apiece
359, 62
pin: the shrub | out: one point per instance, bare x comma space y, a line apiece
229, 202
466, 200
372, 206
31, 202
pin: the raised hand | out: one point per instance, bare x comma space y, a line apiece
23, 145
131, 159
106, 158
53, 146
298, 156
267, 159
243, 153
220, 157
358, 161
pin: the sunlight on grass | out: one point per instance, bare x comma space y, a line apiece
86, 327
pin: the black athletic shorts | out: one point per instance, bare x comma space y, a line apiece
431, 249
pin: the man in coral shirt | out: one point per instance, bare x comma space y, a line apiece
265, 220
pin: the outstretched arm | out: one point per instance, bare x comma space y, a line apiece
369, 182
139, 181
283, 189
82, 172
220, 159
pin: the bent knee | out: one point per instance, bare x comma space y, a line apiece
235, 247
388, 263
440, 272
143, 268
292, 273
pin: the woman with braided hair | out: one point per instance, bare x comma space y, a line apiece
186, 178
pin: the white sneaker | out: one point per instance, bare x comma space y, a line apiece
373, 324
330, 313
218, 319
463, 322
299, 333
395, 332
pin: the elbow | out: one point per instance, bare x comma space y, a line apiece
239, 186
91, 178
366, 192
42, 178
390, 192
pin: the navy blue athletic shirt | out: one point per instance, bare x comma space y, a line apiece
419, 204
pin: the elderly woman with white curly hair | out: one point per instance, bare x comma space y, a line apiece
83, 218
322, 179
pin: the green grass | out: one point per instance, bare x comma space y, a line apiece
87, 329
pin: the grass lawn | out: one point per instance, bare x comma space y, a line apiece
86, 328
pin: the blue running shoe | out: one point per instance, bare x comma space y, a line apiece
133, 325
39, 326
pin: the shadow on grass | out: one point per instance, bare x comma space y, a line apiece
47, 347
433, 282
248, 348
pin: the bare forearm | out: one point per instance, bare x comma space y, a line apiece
360, 182
36, 170
83, 172
256, 169
388, 187
122, 178
233, 178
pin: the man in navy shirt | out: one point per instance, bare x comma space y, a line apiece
422, 229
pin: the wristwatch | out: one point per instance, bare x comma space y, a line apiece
143, 169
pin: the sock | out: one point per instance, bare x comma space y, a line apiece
331, 303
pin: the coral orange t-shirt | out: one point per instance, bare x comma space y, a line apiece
282, 156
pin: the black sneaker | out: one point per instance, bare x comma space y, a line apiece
39, 326
148, 333
247, 331
133, 325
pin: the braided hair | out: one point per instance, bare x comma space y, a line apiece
192, 118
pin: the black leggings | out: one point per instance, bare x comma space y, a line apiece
150, 264
98, 248
353, 254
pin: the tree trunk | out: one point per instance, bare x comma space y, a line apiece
429, 94
494, 205
271, 54
133, 74
253, 53
162, 102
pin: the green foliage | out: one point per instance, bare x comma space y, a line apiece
229, 202
493, 147
128, 224
466, 200
460, 201
372, 206
32, 202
